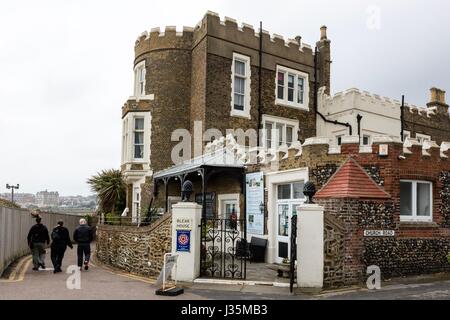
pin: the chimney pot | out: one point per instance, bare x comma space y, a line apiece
437, 96
299, 40
323, 33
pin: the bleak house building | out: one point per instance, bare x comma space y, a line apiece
217, 75
381, 168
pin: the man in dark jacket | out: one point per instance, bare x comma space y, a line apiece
37, 238
83, 236
60, 242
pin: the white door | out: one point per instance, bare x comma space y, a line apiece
290, 196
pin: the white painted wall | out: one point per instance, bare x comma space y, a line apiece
381, 115
188, 262
310, 246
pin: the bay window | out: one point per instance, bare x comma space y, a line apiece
416, 200
291, 88
240, 96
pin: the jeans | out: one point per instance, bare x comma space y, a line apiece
38, 252
57, 255
83, 248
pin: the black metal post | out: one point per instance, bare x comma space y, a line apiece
12, 190
402, 108
260, 81
359, 118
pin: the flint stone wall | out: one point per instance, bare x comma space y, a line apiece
135, 250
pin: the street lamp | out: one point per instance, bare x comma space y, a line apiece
12, 191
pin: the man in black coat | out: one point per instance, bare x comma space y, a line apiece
83, 235
37, 238
60, 242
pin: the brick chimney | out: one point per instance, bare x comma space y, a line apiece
437, 99
323, 33
324, 60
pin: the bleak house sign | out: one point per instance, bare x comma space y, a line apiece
183, 224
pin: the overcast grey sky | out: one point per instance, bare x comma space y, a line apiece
66, 68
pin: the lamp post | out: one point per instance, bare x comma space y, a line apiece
12, 190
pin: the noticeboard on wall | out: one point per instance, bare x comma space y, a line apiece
254, 198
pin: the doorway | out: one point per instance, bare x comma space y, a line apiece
289, 197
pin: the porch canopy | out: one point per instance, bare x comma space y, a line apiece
222, 161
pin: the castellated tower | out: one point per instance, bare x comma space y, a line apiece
211, 76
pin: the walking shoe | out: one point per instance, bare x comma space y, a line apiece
86, 265
35, 268
42, 265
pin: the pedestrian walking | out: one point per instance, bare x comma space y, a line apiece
37, 239
83, 236
60, 242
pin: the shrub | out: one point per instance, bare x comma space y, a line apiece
112, 219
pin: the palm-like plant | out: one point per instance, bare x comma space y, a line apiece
110, 189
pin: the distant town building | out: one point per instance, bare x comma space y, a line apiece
47, 199
22, 199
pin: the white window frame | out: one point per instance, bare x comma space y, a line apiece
285, 102
247, 94
136, 211
134, 140
124, 139
128, 146
340, 136
278, 120
137, 84
221, 198
422, 136
414, 217
362, 140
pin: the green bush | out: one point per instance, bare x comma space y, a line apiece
448, 257
112, 219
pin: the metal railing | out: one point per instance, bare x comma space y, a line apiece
129, 221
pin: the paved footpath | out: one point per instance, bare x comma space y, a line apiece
101, 283
96, 284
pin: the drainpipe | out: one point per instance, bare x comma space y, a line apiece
316, 109
260, 82
358, 119
402, 108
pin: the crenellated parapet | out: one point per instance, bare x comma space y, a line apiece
360, 99
246, 34
227, 29
169, 38
322, 148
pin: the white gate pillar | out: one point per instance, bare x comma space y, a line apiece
310, 246
186, 239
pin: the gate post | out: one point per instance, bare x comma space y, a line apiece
310, 246
186, 237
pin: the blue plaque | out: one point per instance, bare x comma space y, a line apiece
183, 241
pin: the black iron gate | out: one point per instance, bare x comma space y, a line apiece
224, 249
